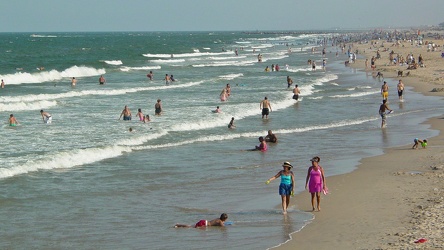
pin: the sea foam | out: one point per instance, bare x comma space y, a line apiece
52, 75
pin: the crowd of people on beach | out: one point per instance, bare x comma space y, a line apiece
315, 181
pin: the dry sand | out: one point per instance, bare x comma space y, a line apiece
391, 200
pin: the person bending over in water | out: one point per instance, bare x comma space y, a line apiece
150, 75
271, 137
47, 118
231, 124
12, 121
205, 223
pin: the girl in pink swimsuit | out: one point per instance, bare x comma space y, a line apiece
315, 182
140, 115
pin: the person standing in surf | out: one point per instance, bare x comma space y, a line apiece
296, 92
315, 182
223, 95
73, 82
400, 87
140, 115
265, 106
167, 79
12, 121
286, 188
102, 80
2, 84
289, 81
228, 90
158, 107
382, 112
384, 91
126, 113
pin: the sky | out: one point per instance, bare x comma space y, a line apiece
214, 15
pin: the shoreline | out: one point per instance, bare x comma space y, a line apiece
390, 200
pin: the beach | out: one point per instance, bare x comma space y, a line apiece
391, 200
85, 181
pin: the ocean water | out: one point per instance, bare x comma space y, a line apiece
86, 182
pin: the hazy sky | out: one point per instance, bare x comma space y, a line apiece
214, 15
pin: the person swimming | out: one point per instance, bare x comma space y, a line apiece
217, 110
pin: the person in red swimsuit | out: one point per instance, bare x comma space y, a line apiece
205, 223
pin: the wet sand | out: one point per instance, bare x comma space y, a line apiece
394, 199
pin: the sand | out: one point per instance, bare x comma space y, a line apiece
391, 200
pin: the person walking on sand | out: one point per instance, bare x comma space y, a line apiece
286, 188
47, 118
296, 92
12, 121
265, 106
384, 91
315, 182
400, 87
205, 223
158, 107
102, 80
73, 82
126, 113
382, 112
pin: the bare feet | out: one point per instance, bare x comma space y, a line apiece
284, 212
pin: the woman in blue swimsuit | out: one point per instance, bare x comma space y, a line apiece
286, 188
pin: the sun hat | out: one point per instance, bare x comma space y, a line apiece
315, 159
287, 164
